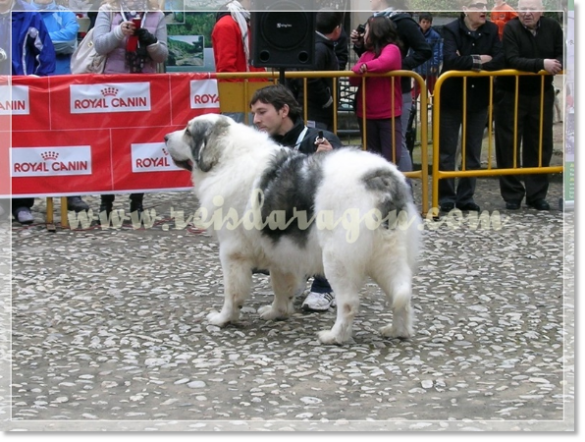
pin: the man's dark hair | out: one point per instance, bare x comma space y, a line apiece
425, 16
278, 95
327, 21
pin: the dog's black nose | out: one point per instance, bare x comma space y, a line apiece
166, 138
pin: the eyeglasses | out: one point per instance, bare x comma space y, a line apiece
478, 6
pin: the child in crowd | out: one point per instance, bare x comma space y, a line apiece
383, 95
429, 70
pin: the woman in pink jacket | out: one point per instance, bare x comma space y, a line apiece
383, 94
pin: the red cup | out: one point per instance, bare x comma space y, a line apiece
136, 22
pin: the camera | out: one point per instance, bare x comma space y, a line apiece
361, 29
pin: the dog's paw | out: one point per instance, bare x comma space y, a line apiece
390, 331
329, 337
270, 313
218, 318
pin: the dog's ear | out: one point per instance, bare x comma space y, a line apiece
206, 144
198, 131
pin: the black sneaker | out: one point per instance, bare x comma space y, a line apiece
77, 204
104, 208
136, 207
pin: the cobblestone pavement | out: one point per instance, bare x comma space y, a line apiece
108, 332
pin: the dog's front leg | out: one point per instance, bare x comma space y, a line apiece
237, 280
284, 286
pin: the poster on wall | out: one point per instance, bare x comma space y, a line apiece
186, 53
189, 38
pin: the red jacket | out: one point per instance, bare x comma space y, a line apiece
379, 91
228, 51
502, 15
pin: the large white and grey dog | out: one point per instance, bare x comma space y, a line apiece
347, 214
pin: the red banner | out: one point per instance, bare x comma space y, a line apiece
88, 134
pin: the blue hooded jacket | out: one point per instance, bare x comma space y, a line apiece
32, 50
62, 26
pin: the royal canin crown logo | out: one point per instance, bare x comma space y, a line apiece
50, 155
109, 91
165, 152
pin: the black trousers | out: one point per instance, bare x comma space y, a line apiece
451, 121
134, 197
527, 149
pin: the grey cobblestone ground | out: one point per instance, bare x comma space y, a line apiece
108, 332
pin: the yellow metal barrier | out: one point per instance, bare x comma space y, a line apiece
235, 97
489, 171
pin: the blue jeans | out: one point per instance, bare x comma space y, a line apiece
320, 285
450, 123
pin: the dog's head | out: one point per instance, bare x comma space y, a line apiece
198, 145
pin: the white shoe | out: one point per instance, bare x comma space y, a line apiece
23, 215
319, 302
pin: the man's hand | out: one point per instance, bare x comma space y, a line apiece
485, 58
552, 66
324, 145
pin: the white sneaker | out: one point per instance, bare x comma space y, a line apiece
23, 215
319, 301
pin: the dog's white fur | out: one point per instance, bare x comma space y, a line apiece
234, 159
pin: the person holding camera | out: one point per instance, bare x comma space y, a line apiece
415, 51
380, 101
133, 35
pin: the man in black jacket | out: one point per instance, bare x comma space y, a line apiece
413, 41
531, 43
320, 105
277, 112
471, 43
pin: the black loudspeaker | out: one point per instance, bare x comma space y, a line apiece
283, 35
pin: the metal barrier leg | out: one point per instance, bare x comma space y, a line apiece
50, 220
64, 219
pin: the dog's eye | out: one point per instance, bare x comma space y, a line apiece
187, 132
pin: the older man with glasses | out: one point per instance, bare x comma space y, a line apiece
531, 43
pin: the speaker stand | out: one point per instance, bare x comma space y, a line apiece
281, 78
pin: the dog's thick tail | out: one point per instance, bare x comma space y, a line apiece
394, 200
392, 191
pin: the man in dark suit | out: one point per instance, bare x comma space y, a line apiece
531, 43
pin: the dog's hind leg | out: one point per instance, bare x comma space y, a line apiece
346, 282
284, 286
395, 279
237, 280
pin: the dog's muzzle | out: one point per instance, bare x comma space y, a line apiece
185, 164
